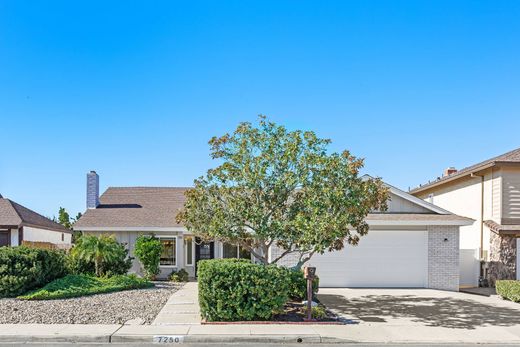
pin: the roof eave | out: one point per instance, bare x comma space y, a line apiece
451, 179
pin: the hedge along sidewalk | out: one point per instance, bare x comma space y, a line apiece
181, 308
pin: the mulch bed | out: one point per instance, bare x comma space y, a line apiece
294, 313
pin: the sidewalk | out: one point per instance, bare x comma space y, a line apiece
351, 333
181, 308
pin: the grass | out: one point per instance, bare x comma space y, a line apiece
72, 286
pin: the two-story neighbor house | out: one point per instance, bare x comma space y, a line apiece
413, 244
489, 193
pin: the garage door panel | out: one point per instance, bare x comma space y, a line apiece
382, 259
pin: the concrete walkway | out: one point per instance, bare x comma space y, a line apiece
182, 307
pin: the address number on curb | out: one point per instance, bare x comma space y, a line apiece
168, 339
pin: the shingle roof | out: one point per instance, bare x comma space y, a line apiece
13, 214
509, 157
135, 207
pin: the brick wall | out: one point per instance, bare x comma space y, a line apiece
443, 257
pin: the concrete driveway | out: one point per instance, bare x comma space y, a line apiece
421, 308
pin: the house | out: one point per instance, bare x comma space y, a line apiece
19, 224
489, 193
413, 244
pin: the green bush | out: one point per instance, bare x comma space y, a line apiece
148, 250
179, 276
100, 255
238, 290
72, 286
22, 269
508, 289
298, 285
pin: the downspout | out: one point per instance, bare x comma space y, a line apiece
481, 214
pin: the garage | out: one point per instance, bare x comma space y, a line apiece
383, 258
413, 244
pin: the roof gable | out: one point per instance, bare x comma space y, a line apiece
510, 157
14, 214
135, 207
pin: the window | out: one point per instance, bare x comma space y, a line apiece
169, 252
188, 246
229, 251
234, 251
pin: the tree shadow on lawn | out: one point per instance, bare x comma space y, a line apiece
434, 312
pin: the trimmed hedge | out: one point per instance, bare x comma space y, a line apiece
508, 289
23, 268
72, 286
298, 285
237, 290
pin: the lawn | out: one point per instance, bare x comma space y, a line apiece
72, 286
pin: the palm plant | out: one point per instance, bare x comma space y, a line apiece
102, 249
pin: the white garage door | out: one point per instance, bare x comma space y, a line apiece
383, 258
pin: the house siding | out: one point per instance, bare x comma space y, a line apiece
443, 257
511, 196
128, 238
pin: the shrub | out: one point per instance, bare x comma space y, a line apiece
99, 255
237, 290
179, 276
148, 250
298, 285
22, 269
72, 286
508, 289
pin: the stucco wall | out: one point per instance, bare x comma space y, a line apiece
43, 235
443, 257
463, 197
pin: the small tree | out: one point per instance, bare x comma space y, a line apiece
148, 250
99, 250
280, 187
65, 220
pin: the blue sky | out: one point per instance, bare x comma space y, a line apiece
134, 90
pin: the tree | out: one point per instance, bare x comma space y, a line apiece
148, 250
64, 218
283, 188
101, 250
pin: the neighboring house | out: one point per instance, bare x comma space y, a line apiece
489, 193
413, 244
19, 224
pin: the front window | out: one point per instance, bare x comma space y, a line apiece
235, 251
169, 251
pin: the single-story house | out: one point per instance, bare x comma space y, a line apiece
19, 224
413, 244
489, 193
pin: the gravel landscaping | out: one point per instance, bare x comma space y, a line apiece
139, 305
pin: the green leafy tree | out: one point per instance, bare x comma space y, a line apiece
68, 222
64, 218
148, 250
283, 188
103, 249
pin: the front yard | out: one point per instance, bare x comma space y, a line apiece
111, 308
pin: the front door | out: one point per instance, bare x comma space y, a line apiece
203, 251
